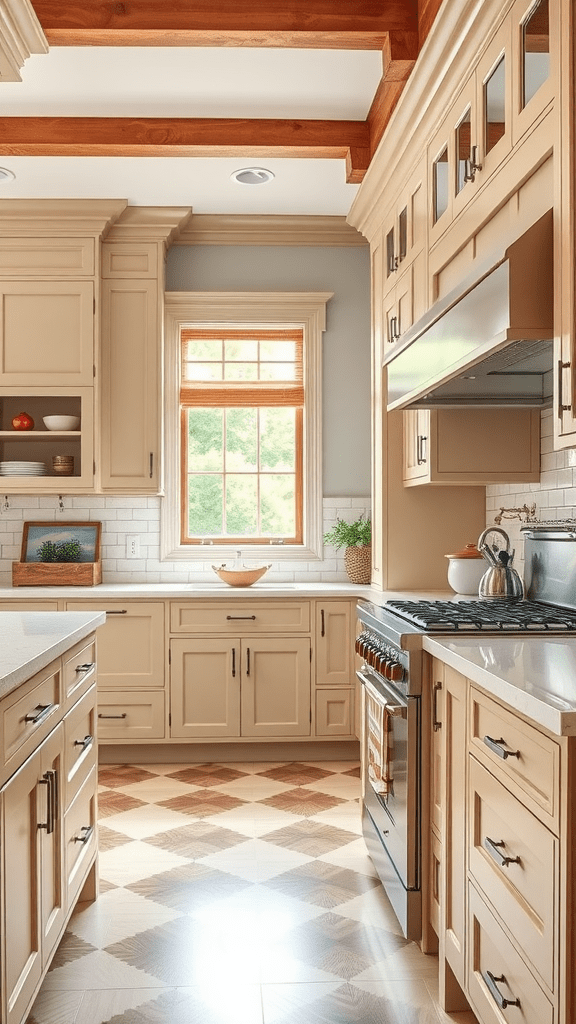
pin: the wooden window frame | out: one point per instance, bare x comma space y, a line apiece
254, 310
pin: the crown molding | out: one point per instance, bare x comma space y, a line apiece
20, 35
150, 224
36, 217
268, 229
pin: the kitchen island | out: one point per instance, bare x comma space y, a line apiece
48, 786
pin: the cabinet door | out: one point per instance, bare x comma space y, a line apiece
47, 333
494, 101
453, 800
334, 711
205, 687
32, 858
131, 386
130, 644
276, 687
416, 428
333, 643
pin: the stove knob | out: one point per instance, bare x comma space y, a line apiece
380, 663
396, 672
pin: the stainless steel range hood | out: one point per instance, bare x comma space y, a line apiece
490, 341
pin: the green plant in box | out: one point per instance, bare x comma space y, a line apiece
61, 551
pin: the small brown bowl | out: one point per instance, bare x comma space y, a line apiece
243, 577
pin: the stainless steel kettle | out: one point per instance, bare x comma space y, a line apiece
500, 579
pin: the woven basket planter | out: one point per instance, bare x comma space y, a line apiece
358, 562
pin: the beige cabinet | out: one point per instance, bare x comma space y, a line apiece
47, 333
41, 445
47, 822
471, 446
249, 687
130, 645
131, 386
334, 702
565, 241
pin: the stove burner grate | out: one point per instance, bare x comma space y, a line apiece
478, 616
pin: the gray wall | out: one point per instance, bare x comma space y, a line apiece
346, 355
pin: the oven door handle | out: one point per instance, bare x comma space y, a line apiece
384, 696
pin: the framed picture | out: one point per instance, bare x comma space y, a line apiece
61, 542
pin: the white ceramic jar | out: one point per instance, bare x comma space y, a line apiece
465, 570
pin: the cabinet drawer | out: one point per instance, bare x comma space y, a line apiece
490, 950
80, 747
39, 700
522, 893
240, 617
79, 669
530, 767
128, 715
80, 836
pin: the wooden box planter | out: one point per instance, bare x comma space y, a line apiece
56, 574
58, 538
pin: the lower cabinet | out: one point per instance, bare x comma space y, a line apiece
48, 840
505, 856
240, 687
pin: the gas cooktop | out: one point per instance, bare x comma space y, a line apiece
494, 615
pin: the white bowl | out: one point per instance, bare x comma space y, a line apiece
61, 422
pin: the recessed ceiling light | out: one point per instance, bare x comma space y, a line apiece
6, 175
252, 176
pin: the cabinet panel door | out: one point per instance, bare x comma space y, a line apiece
130, 644
453, 798
53, 899
47, 333
276, 687
130, 386
334, 711
333, 643
20, 925
416, 429
205, 687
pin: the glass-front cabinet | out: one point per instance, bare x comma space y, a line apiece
509, 89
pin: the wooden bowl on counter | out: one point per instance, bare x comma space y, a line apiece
243, 577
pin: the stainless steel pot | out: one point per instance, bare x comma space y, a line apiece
500, 580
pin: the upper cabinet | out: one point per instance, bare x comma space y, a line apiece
402, 282
565, 349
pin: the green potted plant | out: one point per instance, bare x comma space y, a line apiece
356, 538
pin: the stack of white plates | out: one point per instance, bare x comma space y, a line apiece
22, 469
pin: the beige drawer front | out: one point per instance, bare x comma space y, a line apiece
80, 836
334, 711
240, 617
128, 715
523, 893
29, 717
490, 950
531, 768
80, 746
79, 669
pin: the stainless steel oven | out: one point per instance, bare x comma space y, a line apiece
389, 648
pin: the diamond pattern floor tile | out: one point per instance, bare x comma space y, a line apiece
236, 892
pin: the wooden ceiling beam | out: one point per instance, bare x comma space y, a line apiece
187, 137
318, 24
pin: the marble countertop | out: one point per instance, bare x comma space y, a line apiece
149, 591
535, 676
31, 640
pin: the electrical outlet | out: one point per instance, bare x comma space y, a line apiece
132, 545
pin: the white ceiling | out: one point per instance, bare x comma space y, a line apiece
191, 82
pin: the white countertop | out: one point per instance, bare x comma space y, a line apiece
535, 676
31, 640
149, 591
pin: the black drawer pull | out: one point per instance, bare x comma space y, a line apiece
499, 747
87, 667
494, 848
495, 991
115, 611
231, 618
123, 715
87, 830
436, 724
40, 713
85, 743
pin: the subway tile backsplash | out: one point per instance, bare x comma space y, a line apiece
124, 515
554, 496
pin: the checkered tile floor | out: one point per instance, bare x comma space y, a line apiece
236, 894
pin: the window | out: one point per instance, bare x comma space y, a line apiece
243, 424
241, 415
